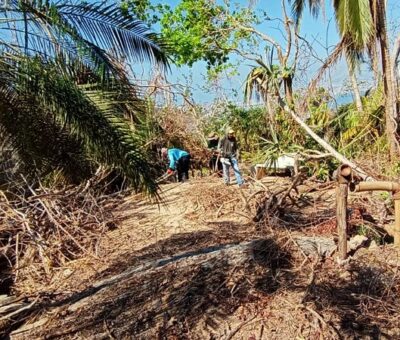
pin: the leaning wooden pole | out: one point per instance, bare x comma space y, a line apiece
342, 189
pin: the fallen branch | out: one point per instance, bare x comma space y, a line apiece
41, 229
20, 310
324, 144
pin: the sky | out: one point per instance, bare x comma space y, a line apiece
321, 32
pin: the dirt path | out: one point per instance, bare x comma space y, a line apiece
197, 267
180, 226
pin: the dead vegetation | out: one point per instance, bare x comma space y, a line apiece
182, 128
227, 272
41, 230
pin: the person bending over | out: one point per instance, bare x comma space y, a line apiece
179, 161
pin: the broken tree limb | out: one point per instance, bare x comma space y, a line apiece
295, 182
17, 311
323, 143
242, 324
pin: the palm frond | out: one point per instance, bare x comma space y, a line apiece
39, 92
95, 34
119, 100
298, 7
354, 56
354, 19
39, 143
108, 27
256, 83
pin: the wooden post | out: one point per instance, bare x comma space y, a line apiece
396, 231
341, 218
342, 189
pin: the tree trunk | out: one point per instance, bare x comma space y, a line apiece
354, 85
270, 109
396, 54
288, 82
373, 47
375, 64
388, 83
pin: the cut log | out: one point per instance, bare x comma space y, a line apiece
316, 246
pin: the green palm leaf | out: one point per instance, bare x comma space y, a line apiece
298, 7
51, 69
36, 93
95, 34
107, 26
39, 143
354, 19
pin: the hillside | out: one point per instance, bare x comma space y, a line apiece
198, 267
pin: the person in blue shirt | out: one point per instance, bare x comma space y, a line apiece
179, 161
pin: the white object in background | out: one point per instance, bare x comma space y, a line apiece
282, 163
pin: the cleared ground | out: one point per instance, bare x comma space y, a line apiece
197, 266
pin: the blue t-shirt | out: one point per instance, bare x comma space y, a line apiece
174, 155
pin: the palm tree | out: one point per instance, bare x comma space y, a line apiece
266, 80
65, 99
361, 23
263, 82
388, 78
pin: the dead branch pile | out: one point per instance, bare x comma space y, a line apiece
233, 280
42, 229
309, 206
275, 203
272, 201
183, 129
360, 299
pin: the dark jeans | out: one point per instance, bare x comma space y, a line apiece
214, 166
182, 167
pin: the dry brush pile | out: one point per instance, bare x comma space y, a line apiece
42, 229
238, 278
329, 300
182, 128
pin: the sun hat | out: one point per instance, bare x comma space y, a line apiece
212, 135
